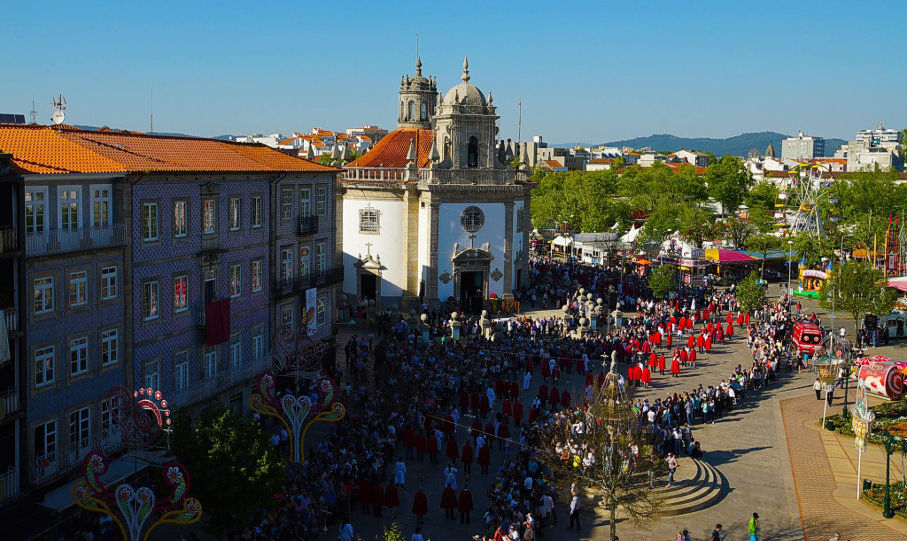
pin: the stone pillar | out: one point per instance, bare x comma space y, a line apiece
434, 211
508, 250
410, 297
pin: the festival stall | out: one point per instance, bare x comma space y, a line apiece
811, 281
882, 377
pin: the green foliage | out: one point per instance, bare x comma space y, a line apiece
662, 281
812, 248
857, 288
763, 243
728, 181
393, 533
587, 200
763, 195
750, 293
234, 469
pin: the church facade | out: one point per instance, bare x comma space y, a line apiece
434, 211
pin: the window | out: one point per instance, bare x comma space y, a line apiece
320, 258
235, 350
109, 283
35, 206
152, 374
305, 202
321, 200
286, 316
100, 206
209, 216
423, 113
368, 220
235, 210
109, 413
44, 295
181, 370
321, 312
304, 260
69, 207
258, 342
286, 202
46, 441
519, 220
256, 211
181, 293
149, 222
150, 300
78, 356
78, 288
210, 363
180, 219
79, 429
412, 111
256, 275
110, 347
286, 264
235, 280
44, 366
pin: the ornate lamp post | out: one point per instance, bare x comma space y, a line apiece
827, 369
861, 422
297, 414
846, 371
790, 253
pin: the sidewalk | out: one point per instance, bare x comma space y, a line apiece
824, 466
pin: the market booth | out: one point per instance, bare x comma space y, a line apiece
729, 263
882, 377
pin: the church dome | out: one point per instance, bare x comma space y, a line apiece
465, 93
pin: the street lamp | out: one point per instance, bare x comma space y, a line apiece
827, 369
790, 253
890, 447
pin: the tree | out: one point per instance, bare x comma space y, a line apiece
857, 288
763, 195
662, 281
235, 470
609, 429
728, 181
750, 293
763, 243
696, 225
739, 230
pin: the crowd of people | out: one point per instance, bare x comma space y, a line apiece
472, 408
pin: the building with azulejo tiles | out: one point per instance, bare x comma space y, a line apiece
145, 261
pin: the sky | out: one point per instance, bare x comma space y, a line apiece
586, 72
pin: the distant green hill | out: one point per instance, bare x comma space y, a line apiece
738, 145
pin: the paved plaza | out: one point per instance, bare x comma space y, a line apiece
770, 454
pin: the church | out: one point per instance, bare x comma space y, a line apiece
434, 211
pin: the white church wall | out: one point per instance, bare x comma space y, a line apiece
424, 243
450, 231
517, 240
388, 244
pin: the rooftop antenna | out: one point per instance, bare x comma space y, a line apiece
519, 124
33, 114
152, 110
59, 114
417, 45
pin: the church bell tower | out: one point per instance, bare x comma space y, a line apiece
418, 97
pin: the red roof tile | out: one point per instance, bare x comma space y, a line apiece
391, 150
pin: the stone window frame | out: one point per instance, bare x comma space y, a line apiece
365, 219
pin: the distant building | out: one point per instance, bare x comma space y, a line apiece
880, 137
802, 147
600, 164
374, 133
873, 148
770, 151
272, 140
554, 165
692, 157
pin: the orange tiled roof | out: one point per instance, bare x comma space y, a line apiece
553, 163
55, 149
601, 160
391, 150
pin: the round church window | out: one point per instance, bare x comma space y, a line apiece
472, 219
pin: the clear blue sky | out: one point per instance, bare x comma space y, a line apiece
586, 72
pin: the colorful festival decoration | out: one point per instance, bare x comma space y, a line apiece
892, 247
142, 415
131, 508
883, 378
298, 350
297, 413
861, 421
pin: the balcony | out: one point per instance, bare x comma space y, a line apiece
9, 240
9, 484
307, 225
54, 464
9, 403
287, 286
214, 385
56, 241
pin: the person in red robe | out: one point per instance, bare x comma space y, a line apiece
448, 502
554, 397
453, 450
668, 340
518, 412
746, 319
464, 504
484, 405
692, 358
700, 342
377, 499
466, 458
590, 377
653, 360
565, 399
532, 413
740, 319
514, 389
420, 505
431, 447
675, 367
719, 334
645, 348
580, 365
464, 401
661, 364
546, 371
506, 409
503, 434
499, 387
730, 318
708, 344
474, 402
684, 356
484, 459
409, 442
691, 341
448, 426
391, 499
682, 324
730, 330
543, 393
421, 443
646, 376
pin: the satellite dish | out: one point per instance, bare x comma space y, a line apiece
59, 104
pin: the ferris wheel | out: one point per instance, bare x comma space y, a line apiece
804, 192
